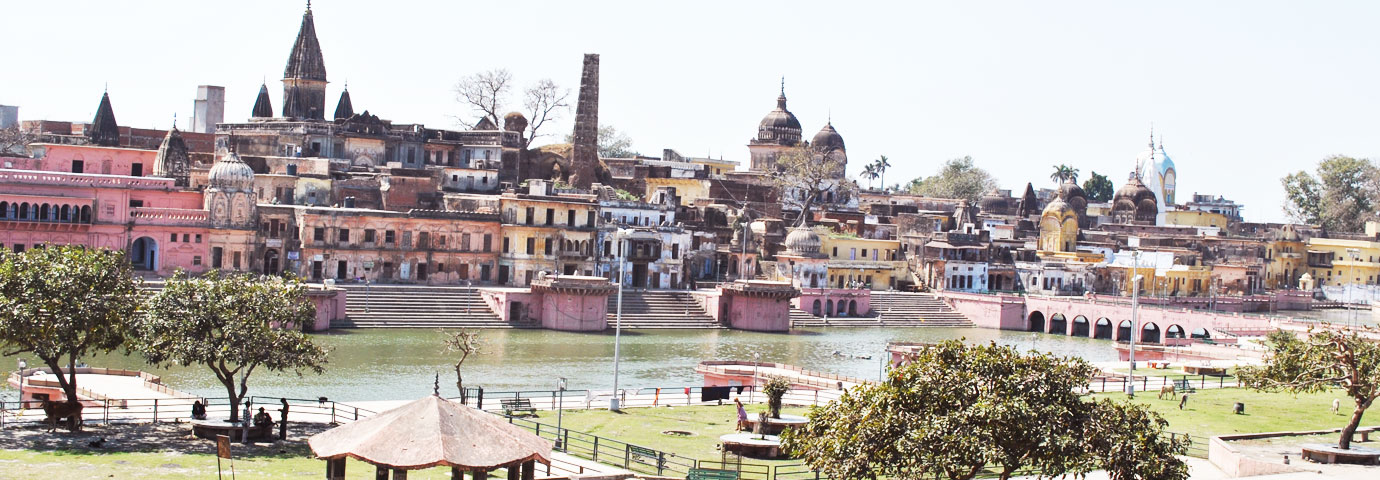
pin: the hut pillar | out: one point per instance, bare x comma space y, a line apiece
335, 469
529, 470
475, 475
399, 474
514, 472
381, 473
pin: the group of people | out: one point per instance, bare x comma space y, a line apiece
262, 419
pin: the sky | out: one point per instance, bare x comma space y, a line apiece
1242, 92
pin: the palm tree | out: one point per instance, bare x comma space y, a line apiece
1060, 171
882, 165
1072, 174
870, 173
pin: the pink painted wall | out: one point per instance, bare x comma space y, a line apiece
758, 314
330, 305
808, 296
1005, 312
94, 159
500, 302
576, 313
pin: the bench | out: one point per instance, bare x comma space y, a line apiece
711, 474
517, 405
1183, 385
644, 456
1365, 432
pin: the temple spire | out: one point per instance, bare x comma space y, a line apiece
263, 107
344, 108
104, 130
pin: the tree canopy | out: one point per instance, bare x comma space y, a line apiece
955, 410
1325, 359
1064, 172
957, 178
1342, 195
486, 94
612, 143
1098, 188
232, 324
806, 178
62, 303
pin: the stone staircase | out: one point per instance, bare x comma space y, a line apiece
892, 309
649, 309
417, 306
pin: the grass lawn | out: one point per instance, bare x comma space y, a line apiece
643, 426
1209, 411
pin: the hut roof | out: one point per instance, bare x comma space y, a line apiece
432, 432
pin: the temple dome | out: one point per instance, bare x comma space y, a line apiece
1135, 200
994, 203
231, 174
827, 139
779, 126
802, 241
1058, 208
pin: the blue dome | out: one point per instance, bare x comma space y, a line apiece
1165, 163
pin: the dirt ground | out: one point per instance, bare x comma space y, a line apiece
162, 437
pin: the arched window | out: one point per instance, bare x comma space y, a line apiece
66, 213
86, 214
43, 212
4, 209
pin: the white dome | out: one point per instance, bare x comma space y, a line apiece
802, 241
231, 174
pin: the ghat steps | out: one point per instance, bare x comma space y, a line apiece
892, 309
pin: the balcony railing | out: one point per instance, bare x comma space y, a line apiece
168, 216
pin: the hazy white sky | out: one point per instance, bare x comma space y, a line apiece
1242, 92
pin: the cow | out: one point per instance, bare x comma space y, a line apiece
1166, 390
70, 410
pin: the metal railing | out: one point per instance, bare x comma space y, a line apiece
159, 410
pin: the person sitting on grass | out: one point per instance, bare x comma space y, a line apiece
742, 415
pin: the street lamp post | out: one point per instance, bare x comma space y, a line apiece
753, 391
618, 316
1135, 324
1355, 255
560, 403
22, 365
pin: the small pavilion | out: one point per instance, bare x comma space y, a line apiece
433, 432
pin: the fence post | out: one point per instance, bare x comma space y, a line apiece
1202, 381
155, 410
1104, 384
333, 412
480, 401
627, 455
105, 407
356, 413
1144, 383
1222, 381
565, 440
594, 453
816, 402
660, 461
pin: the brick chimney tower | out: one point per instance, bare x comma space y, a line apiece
585, 161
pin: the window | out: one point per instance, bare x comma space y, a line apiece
550, 216
368, 235
423, 240
488, 242
319, 234
185, 237
236, 260
570, 217
589, 218
547, 246
136, 170
531, 245
217, 253
388, 236
174, 238
196, 260
78, 166
465, 242
136, 203
198, 238
484, 273
440, 240
531, 212
344, 235
505, 244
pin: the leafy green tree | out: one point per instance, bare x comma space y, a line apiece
1098, 188
775, 389
612, 143
955, 409
232, 324
1325, 359
62, 303
1341, 197
957, 178
1129, 441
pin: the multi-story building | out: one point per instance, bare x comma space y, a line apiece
418, 246
868, 263
546, 231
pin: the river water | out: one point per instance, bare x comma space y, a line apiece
394, 364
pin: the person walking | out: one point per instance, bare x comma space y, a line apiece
742, 415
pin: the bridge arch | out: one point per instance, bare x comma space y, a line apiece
815, 309
1103, 329
852, 308
1123, 331
1058, 324
1080, 326
1201, 333
1174, 331
829, 307
1149, 333
1036, 322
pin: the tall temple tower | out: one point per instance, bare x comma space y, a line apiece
585, 161
777, 132
304, 80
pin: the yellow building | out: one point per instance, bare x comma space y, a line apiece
1285, 259
1338, 261
716, 167
873, 263
1059, 234
688, 189
1194, 218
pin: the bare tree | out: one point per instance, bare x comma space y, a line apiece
483, 92
806, 177
13, 140
465, 343
545, 101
